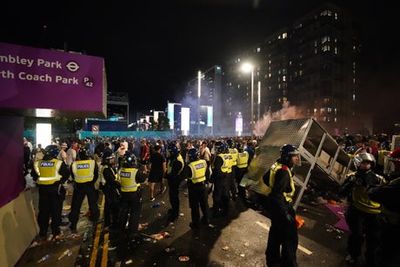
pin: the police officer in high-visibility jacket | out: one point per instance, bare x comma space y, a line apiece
195, 172
221, 173
363, 213
233, 152
111, 190
388, 195
174, 170
130, 178
283, 238
242, 164
50, 174
84, 171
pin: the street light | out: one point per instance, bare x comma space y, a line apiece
199, 76
259, 100
246, 68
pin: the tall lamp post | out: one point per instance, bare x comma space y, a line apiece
199, 76
249, 68
259, 100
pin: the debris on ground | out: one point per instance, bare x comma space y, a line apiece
299, 221
160, 235
143, 226
225, 248
44, 258
65, 253
184, 258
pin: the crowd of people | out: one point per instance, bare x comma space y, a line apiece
120, 168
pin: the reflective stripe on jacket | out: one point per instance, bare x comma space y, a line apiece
227, 163
127, 177
83, 170
169, 167
235, 154
243, 158
274, 169
198, 169
48, 171
361, 201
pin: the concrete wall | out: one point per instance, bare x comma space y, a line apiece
17, 228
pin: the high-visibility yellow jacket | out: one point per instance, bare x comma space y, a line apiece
48, 171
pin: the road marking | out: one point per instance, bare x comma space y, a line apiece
305, 250
104, 257
95, 246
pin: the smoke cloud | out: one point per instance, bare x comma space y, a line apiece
286, 113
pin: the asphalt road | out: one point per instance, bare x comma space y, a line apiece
238, 239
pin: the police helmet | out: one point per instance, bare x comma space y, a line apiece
230, 143
173, 149
107, 155
83, 154
129, 160
362, 157
52, 151
287, 151
220, 147
239, 147
193, 154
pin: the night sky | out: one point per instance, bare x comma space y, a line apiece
151, 50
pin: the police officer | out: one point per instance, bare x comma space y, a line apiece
362, 213
242, 164
174, 170
50, 174
195, 172
130, 178
388, 195
221, 173
233, 152
84, 172
283, 238
111, 190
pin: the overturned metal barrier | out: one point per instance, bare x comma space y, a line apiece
322, 160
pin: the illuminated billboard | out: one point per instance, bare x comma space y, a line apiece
185, 121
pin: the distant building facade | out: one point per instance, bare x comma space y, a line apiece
312, 64
208, 99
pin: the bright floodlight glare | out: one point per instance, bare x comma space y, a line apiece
43, 134
247, 67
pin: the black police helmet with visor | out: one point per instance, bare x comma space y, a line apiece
107, 155
230, 143
287, 152
193, 154
83, 154
364, 157
129, 160
239, 147
51, 151
173, 150
220, 147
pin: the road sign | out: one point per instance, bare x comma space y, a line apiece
95, 129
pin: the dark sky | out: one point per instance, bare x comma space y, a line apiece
151, 50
